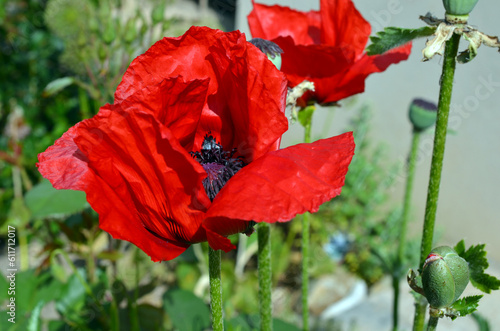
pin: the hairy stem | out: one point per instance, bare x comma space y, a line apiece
307, 124
449, 65
264, 261
305, 271
214, 258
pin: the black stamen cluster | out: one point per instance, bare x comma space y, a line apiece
220, 165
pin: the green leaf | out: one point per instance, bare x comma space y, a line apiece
57, 85
237, 323
150, 317
186, 310
465, 306
252, 322
279, 325
71, 302
45, 201
34, 321
476, 257
393, 37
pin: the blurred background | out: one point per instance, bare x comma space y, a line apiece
62, 60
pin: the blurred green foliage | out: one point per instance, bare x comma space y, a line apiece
362, 214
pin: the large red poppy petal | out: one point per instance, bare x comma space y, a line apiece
309, 62
251, 98
99, 193
67, 167
175, 103
352, 80
269, 22
141, 158
184, 56
343, 26
287, 182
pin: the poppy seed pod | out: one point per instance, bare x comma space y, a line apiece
459, 7
422, 114
444, 277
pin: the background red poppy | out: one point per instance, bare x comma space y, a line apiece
325, 46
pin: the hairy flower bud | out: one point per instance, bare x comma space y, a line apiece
444, 277
459, 7
422, 114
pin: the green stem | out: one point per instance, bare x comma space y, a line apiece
420, 311
214, 258
264, 265
433, 322
307, 124
134, 314
395, 303
408, 194
115, 319
305, 271
403, 227
449, 64
23, 249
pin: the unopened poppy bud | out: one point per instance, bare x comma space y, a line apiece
444, 277
457, 11
422, 114
269, 48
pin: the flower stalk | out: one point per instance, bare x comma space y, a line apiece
396, 277
307, 124
445, 92
305, 271
214, 268
432, 325
265, 281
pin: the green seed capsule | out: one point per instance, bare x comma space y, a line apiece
444, 277
459, 7
422, 114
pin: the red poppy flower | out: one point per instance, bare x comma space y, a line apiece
325, 46
189, 150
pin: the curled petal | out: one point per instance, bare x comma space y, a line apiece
270, 22
343, 26
287, 182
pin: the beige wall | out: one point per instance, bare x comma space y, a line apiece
469, 204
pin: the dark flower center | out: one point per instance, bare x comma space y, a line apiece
220, 165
